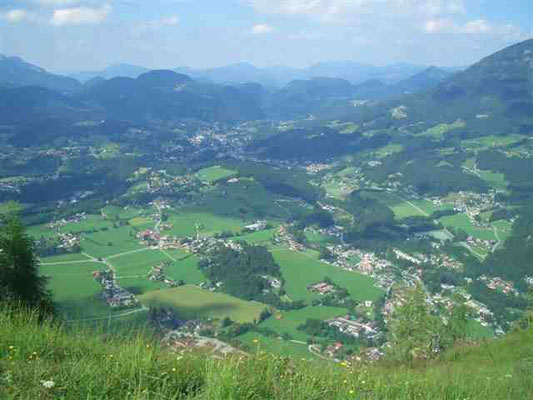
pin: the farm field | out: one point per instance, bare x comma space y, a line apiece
403, 208
494, 179
261, 237
193, 302
487, 142
289, 321
184, 223
92, 223
316, 238
138, 263
140, 284
441, 129
64, 258
461, 221
186, 269
110, 242
300, 270
75, 291
213, 174
258, 343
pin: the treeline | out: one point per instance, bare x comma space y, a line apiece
431, 174
317, 144
289, 183
241, 272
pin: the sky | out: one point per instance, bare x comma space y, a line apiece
84, 35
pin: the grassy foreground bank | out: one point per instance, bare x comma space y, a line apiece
47, 361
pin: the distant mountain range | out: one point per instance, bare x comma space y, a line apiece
15, 72
277, 76
494, 94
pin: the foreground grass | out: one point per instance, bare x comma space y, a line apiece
79, 364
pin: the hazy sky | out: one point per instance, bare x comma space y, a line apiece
70, 35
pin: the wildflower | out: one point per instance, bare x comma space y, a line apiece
173, 369
48, 384
11, 347
255, 341
352, 391
111, 356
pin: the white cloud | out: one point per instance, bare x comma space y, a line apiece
444, 25
439, 25
479, 27
56, 2
334, 8
261, 29
16, 15
80, 15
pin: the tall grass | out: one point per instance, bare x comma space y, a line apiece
85, 363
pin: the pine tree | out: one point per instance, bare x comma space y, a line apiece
20, 280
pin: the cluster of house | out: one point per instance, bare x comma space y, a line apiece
76, 218
316, 168
485, 243
321, 288
157, 273
496, 283
283, 236
356, 328
446, 261
204, 245
159, 181
484, 314
113, 295
68, 240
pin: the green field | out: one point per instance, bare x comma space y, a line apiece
110, 242
477, 331
215, 173
461, 221
258, 343
494, 179
185, 268
441, 129
487, 142
184, 223
261, 237
192, 302
64, 258
403, 208
75, 291
138, 263
300, 270
288, 322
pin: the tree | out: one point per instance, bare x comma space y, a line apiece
415, 332
19, 269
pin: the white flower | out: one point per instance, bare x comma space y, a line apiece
48, 384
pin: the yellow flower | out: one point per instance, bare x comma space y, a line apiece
255, 341
352, 391
173, 369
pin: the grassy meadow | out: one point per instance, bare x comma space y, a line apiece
289, 321
194, 302
215, 173
300, 270
82, 363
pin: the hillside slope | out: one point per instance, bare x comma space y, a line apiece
50, 362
